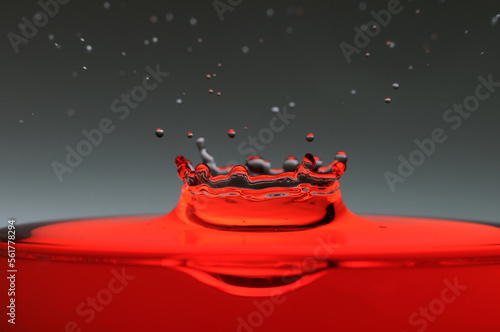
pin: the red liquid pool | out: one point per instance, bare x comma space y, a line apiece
240, 253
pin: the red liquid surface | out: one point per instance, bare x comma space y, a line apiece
165, 274
272, 251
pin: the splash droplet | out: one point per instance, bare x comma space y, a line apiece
190, 135
388, 100
270, 12
210, 91
89, 48
231, 133
395, 86
51, 37
310, 137
193, 21
154, 39
245, 49
219, 93
208, 76
169, 17
106, 5
153, 19
367, 54
219, 64
159, 132
84, 68
275, 109
179, 101
353, 92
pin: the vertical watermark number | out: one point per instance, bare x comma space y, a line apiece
11, 271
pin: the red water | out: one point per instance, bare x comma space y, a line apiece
255, 249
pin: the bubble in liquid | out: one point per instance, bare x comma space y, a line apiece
106, 5
190, 135
169, 17
310, 137
179, 101
245, 49
231, 133
395, 86
210, 91
159, 132
193, 21
387, 100
208, 76
275, 109
218, 93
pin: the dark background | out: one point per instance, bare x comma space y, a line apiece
47, 99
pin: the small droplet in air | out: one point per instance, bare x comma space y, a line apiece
124, 53
89, 48
106, 5
219, 64
159, 132
153, 18
210, 91
245, 49
190, 135
231, 133
310, 137
395, 86
291, 104
275, 109
353, 92
218, 93
146, 42
154, 39
84, 68
58, 46
199, 40
193, 21
208, 76
362, 5
270, 12
51, 37
417, 11
179, 101
169, 17
387, 100
367, 54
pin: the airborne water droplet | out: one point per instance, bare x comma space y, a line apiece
159, 132
231, 133
218, 93
310, 137
395, 86
275, 109
190, 135
210, 91
208, 76
387, 100
179, 101
245, 49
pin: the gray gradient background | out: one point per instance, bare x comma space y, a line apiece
133, 172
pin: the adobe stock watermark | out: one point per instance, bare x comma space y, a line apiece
94, 137
266, 306
420, 319
225, 6
93, 305
277, 124
29, 28
366, 32
427, 146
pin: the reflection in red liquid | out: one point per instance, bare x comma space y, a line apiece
240, 253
